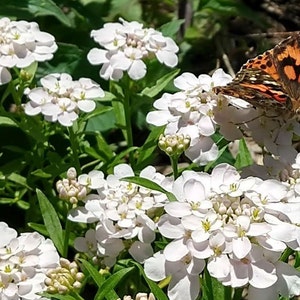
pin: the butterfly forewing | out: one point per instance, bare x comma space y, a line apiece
270, 80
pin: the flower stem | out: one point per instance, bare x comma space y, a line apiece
66, 237
174, 164
75, 148
128, 125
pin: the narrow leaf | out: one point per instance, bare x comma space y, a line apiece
160, 84
243, 158
19, 179
5, 121
47, 8
51, 221
147, 150
59, 297
112, 282
150, 185
155, 289
97, 277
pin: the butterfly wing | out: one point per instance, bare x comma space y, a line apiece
287, 63
259, 83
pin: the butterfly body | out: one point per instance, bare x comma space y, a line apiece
270, 80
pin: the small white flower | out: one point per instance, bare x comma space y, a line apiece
22, 43
126, 44
25, 259
60, 98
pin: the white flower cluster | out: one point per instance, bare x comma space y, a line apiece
126, 45
122, 211
197, 112
139, 296
190, 112
237, 228
60, 98
70, 189
21, 44
24, 262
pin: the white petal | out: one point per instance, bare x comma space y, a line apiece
155, 267
5, 76
263, 274
97, 56
86, 105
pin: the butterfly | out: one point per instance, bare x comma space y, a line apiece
270, 81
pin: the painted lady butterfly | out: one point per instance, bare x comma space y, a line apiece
270, 80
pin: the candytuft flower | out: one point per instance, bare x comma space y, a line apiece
60, 98
25, 259
22, 43
127, 45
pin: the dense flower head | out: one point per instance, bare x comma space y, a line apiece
60, 98
237, 227
126, 46
70, 189
122, 211
21, 44
174, 145
65, 278
190, 112
195, 110
139, 296
25, 259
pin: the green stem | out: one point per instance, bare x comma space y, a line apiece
174, 164
285, 255
128, 125
76, 296
75, 148
67, 237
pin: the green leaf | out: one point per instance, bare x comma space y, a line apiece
146, 151
243, 158
150, 185
19, 179
155, 289
5, 121
102, 119
171, 29
160, 84
59, 296
128, 9
101, 150
231, 8
51, 221
97, 277
112, 282
41, 173
107, 97
23, 204
39, 228
48, 8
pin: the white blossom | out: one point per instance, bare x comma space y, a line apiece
122, 211
22, 43
60, 98
190, 112
25, 259
126, 46
240, 226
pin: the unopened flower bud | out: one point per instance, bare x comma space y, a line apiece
71, 173
64, 278
175, 144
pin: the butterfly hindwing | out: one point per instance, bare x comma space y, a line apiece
287, 61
